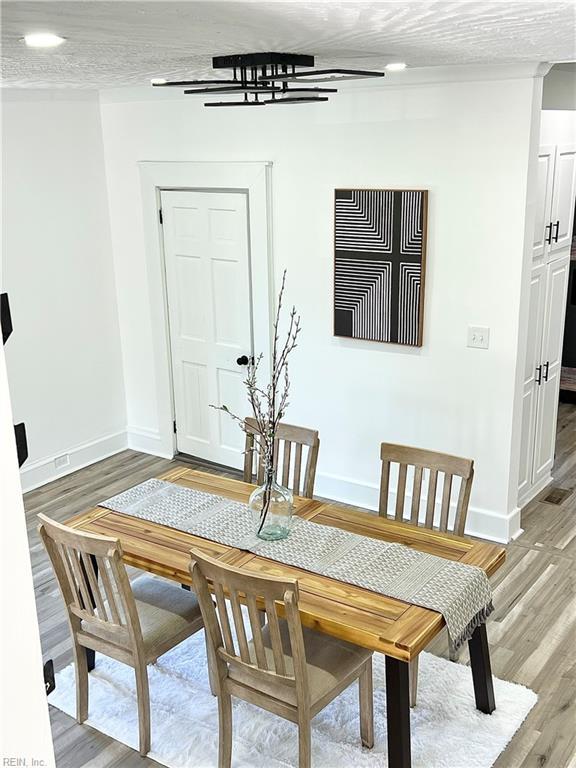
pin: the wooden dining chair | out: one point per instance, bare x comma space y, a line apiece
286, 669
302, 439
134, 624
451, 471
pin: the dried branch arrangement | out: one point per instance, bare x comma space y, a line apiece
269, 404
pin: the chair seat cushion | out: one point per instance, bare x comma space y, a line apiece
168, 614
329, 660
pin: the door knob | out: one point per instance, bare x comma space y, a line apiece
557, 228
548, 236
243, 360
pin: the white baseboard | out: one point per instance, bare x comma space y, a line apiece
36, 473
484, 523
149, 441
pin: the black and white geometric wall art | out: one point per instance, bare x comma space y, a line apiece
380, 256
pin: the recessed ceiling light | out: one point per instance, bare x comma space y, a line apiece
158, 80
43, 40
395, 66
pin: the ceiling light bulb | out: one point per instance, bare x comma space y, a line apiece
43, 40
158, 80
396, 66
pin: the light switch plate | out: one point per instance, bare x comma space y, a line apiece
478, 337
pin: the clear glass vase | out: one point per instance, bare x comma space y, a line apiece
271, 505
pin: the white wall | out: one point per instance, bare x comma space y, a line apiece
558, 126
22, 685
559, 91
467, 141
64, 361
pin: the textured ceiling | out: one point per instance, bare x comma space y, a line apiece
127, 43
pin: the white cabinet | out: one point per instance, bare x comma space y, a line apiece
554, 203
530, 386
563, 194
541, 387
553, 221
542, 217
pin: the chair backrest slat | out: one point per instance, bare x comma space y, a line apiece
265, 658
276, 639
249, 452
286, 463
260, 472
80, 579
87, 565
462, 506
445, 508
287, 435
431, 499
223, 619
434, 464
239, 627
59, 553
416, 492
384, 485
297, 468
256, 626
401, 491
111, 595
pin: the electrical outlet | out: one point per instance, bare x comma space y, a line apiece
62, 461
478, 337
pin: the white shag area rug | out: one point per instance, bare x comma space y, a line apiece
447, 729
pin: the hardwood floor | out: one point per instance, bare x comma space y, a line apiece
532, 631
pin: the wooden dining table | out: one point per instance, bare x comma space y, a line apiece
398, 629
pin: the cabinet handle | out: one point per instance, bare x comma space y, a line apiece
548, 237
539, 374
557, 226
546, 369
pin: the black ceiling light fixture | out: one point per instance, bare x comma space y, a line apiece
265, 78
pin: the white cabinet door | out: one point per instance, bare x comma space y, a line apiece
209, 309
542, 221
531, 376
563, 197
551, 359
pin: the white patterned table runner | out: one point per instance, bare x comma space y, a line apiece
461, 593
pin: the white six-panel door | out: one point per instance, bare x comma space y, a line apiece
209, 308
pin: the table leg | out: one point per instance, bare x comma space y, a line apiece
481, 670
398, 706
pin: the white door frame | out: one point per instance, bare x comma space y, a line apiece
253, 178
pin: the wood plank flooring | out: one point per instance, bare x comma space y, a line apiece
532, 631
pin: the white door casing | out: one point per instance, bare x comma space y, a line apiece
542, 223
154, 432
207, 259
551, 360
562, 211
